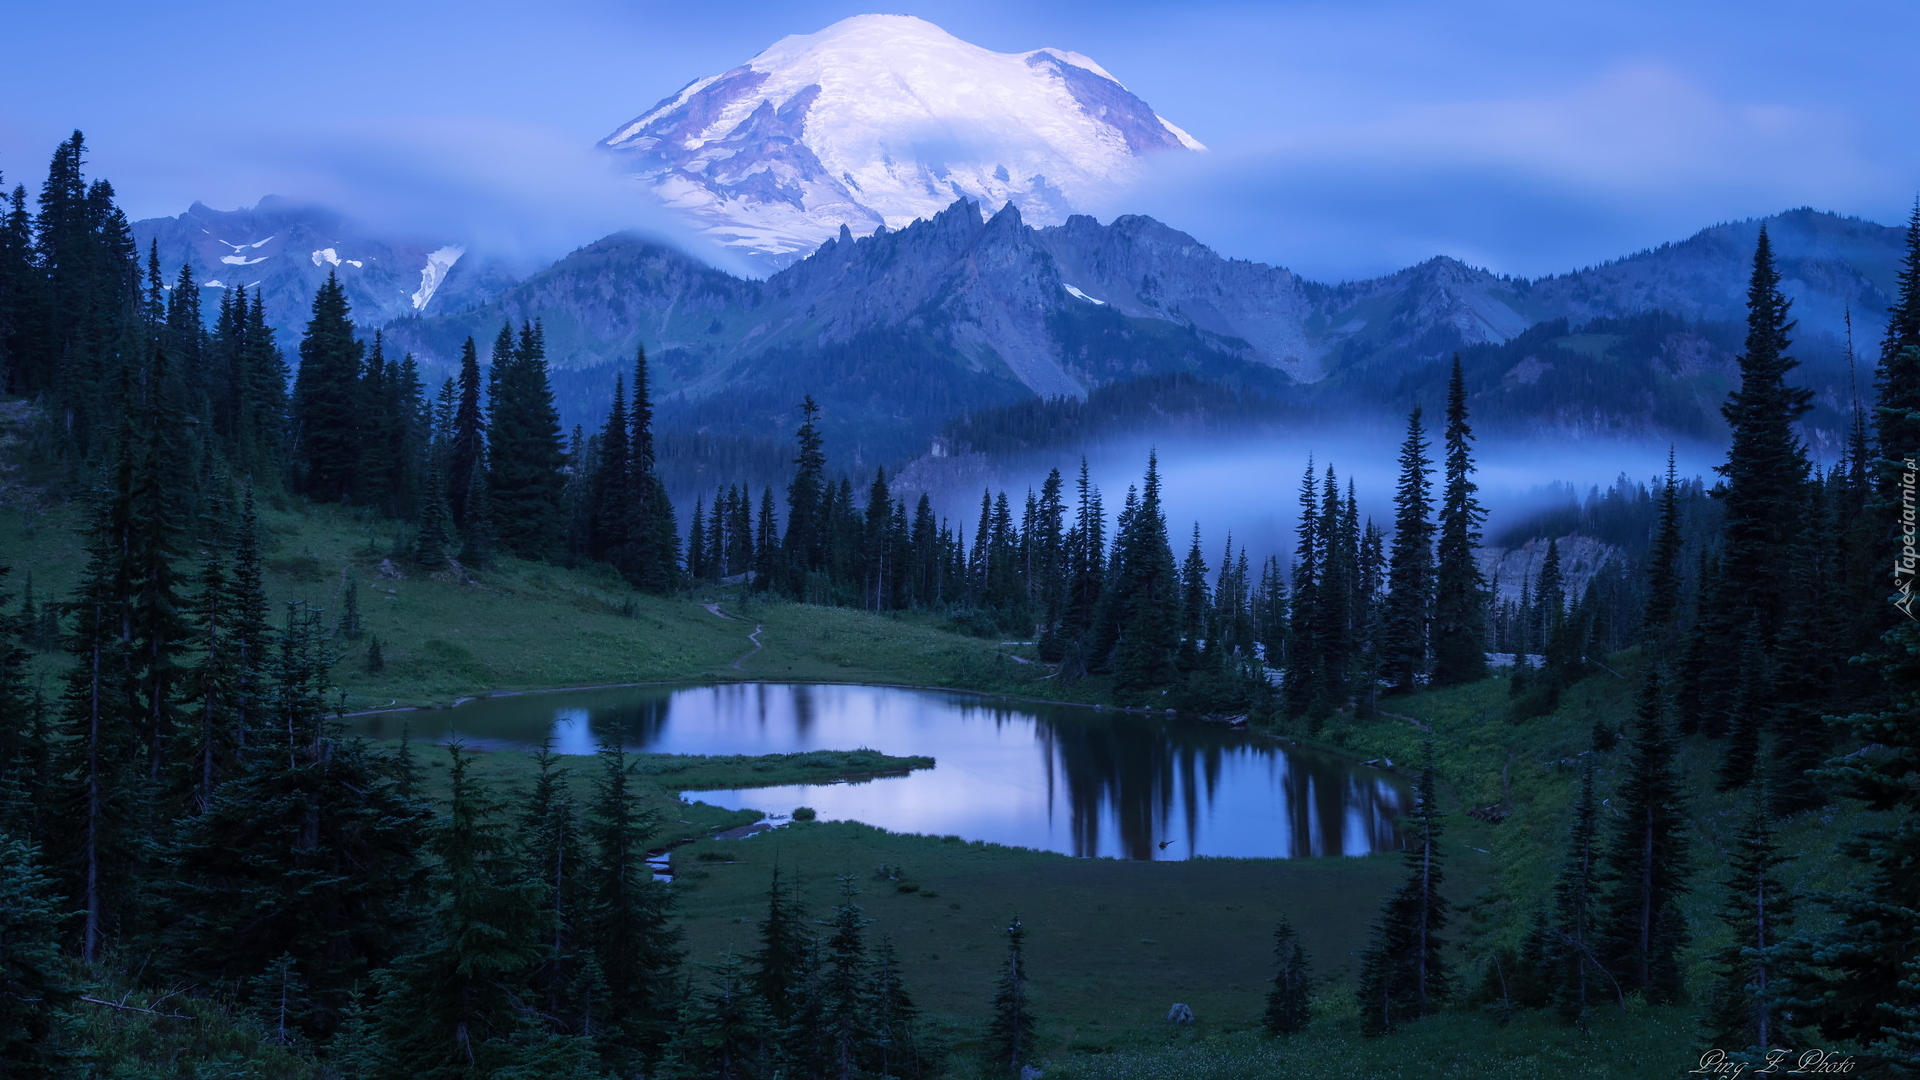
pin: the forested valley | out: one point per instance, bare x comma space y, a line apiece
200, 870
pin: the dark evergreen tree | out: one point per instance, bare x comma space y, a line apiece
430, 544
564, 978
450, 1010
1645, 863
326, 398
1410, 567
778, 963
466, 441
308, 852
805, 543
1663, 564
627, 921
723, 1032
1145, 594
1403, 975
1741, 1006
1577, 970
36, 990
1897, 376
846, 1023
477, 535
653, 537
1010, 1036
1288, 1003
893, 1048
1304, 666
526, 454
1459, 597
1864, 987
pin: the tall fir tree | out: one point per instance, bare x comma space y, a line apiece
1289, 1004
628, 921
1645, 863
326, 398
1663, 562
1742, 1005
1459, 596
1403, 973
466, 441
451, 1006
1409, 604
1010, 1029
526, 451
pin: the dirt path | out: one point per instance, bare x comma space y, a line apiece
757, 646
753, 637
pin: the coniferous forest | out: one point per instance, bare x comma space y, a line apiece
188, 836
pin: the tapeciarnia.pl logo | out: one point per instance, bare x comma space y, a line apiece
1904, 567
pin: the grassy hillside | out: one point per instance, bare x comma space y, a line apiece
1113, 943
523, 626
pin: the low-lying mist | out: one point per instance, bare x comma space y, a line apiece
1250, 487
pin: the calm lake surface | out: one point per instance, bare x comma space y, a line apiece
1057, 778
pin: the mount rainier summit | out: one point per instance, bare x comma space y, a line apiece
881, 119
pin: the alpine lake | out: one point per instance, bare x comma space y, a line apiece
1075, 780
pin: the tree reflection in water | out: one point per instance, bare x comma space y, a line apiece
1065, 779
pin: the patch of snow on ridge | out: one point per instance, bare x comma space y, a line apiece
1080, 295
432, 275
330, 257
242, 260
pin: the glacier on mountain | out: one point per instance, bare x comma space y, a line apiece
879, 120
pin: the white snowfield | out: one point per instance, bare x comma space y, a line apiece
882, 119
439, 262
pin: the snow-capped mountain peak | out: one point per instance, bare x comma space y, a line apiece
882, 119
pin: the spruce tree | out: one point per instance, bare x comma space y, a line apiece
1645, 862
1766, 467
1578, 973
1864, 986
846, 1023
326, 398
1146, 594
1403, 975
893, 1048
628, 916
1758, 910
1303, 663
555, 857
805, 543
1897, 376
1404, 647
526, 453
1288, 1003
1459, 597
778, 962
452, 1005
467, 440
434, 537
723, 1030
477, 535
1010, 1036
36, 989
308, 851
1663, 563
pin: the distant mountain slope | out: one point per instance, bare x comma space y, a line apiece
905, 328
880, 120
285, 250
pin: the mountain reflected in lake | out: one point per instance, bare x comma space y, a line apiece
1058, 778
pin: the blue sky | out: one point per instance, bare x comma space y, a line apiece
1348, 138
